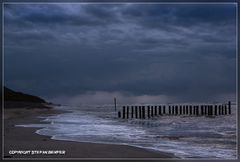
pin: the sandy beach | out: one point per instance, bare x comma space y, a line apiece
25, 139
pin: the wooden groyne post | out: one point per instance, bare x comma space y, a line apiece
143, 112
148, 112
216, 110
219, 109
176, 110
139, 112
115, 103
169, 110
225, 109
136, 112
201, 112
190, 109
229, 107
164, 109
155, 110
180, 111
132, 112
119, 114
151, 111
159, 110
123, 112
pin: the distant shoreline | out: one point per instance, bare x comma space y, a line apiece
19, 138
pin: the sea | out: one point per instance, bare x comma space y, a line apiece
187, 137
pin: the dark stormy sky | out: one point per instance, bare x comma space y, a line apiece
145, 53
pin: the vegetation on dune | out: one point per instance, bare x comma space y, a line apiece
10, 95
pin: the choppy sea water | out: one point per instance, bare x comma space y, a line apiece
187, 137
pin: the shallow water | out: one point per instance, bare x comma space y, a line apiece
186, 137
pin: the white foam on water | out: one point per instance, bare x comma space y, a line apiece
186, 137
32, 125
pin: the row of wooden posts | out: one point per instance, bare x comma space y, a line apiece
147, 112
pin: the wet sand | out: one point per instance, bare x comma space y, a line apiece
25, 139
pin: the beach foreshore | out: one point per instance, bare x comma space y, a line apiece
33, 145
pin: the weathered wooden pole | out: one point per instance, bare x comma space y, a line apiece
176, 110
211, 110
201, 107
151, 111
208, 108
159, 110
222, 110
205, 110
191, 110
164, 109
140, 112
127, 112
115, 103
155, 110
148, 112
194, 110
136, 112
184, 109
132, 112
202, 110
225, 109
219, 110
215, 110
143, 112
119, 114
123, 112
173, 112
180, 110
229, 107
212, 107
169, 110
187, 110
197, 110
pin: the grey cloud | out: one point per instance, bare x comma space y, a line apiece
155, 50
57, 15
182, 14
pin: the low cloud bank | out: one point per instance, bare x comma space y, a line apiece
102, 97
